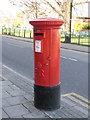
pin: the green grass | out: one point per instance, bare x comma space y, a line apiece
17, 32
4, 31
62, 38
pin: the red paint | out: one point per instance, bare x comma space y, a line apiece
47, 62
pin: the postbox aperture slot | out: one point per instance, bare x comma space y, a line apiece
39, 34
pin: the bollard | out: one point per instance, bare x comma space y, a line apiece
24, 33
2, 30
6, 31
14, 31
47, 63
79, 39
30, 33
19, 32
9, 31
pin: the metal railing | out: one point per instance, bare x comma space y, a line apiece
79, 39
18, 32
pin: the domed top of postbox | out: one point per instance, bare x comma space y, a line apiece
46, 22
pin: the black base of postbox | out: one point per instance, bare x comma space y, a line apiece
47, 98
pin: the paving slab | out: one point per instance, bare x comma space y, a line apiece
4, 115
16, 110
5, 94
16, 100
5, 103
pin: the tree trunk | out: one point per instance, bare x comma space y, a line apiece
69, 17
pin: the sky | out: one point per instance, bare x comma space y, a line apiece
81, 9
7, 9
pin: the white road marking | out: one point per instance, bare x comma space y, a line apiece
64, 57
69, 58
17, 73
74, 51
15, 45
72, 59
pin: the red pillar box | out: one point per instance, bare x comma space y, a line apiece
47, 63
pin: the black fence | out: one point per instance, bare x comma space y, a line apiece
18, 32
80, 39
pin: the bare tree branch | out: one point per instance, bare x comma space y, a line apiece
80, 3
53, 8
59, 3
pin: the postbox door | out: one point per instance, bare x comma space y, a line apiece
41, 49
54, 45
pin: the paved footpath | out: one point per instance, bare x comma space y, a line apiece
17, 100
